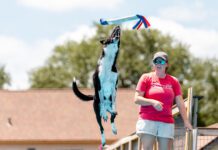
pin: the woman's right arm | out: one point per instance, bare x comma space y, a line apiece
141, 100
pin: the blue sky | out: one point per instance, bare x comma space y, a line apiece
30, 29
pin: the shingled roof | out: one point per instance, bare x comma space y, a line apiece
57, 115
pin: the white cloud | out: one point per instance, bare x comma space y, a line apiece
203, 43
83, 32
65, 5
184, 14
19, 57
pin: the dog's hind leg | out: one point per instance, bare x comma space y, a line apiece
98, 117
96, 103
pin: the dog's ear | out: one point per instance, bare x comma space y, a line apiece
102, 42
106, 42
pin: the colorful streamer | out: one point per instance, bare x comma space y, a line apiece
141, 20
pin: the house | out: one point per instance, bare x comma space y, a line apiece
55, 119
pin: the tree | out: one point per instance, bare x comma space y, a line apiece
4, 77
203, 78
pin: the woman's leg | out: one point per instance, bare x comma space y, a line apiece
165, 143
147, 141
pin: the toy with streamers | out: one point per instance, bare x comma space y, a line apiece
141, 20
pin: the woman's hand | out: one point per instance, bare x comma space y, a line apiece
188, 126
157, 105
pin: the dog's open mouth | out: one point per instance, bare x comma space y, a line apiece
115, 34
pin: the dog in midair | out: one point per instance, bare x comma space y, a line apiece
105, 80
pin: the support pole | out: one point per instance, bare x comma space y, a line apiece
188, 135
195, 138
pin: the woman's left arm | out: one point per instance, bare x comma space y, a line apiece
181, 105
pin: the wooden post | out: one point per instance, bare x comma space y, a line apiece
130, 145
122, 147
188, 135
139, 143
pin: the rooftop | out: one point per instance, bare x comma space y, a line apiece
54, 114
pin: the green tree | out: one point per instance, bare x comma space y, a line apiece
4, 77
203, 78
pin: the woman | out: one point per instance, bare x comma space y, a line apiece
155, 93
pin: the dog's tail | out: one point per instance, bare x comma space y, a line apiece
79, 94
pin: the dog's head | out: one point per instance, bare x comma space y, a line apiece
115, 37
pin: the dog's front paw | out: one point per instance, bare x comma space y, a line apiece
105, 117
103, 114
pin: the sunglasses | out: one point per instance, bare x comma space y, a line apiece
159, 61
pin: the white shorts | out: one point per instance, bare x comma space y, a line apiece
156, 128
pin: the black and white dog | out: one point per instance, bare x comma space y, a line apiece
105, 81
